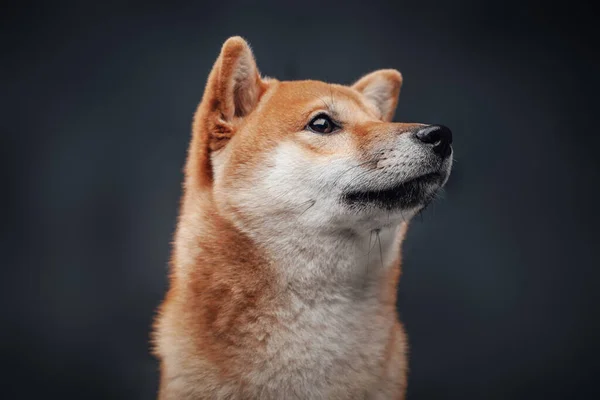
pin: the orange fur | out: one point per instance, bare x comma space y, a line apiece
226, 296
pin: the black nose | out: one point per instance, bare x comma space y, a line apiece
439, 136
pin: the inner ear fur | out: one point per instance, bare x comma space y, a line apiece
236, 86
381, 89
232, 91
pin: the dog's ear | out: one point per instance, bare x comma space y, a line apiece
235, 84
233, 90
381, 89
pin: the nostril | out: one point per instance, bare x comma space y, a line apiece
439, 136
428, 134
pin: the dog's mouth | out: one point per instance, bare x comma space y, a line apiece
411, 193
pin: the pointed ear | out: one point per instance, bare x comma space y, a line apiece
232, 91
381, 89
234, 84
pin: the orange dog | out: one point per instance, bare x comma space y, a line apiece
287, 253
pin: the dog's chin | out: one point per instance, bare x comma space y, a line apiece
413, 193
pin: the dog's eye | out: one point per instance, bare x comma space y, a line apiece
321, 124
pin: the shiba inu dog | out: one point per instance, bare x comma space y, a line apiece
286, 257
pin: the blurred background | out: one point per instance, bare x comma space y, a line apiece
499, 291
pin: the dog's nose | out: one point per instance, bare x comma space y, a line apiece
439, 136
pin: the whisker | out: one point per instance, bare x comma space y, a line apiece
329, 107
369, 254
308, 208
380, 251
351, 168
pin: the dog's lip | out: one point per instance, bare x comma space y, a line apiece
395, 192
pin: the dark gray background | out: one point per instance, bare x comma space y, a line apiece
499, 288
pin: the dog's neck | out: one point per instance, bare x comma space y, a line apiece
310, 262
336, 261
348, 264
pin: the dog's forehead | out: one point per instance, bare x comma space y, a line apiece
306, 95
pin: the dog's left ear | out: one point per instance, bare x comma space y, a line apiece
381, 89
235, 84
233, 91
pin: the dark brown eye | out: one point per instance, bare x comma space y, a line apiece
321, 124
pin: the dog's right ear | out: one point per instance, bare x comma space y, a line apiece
233, 90
381, 89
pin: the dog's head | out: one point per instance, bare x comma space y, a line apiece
309, 153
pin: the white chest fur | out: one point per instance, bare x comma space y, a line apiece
334, 330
